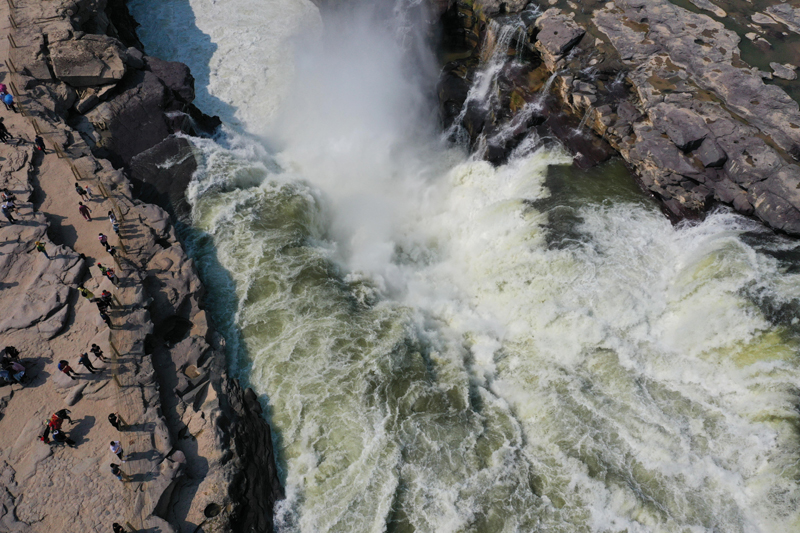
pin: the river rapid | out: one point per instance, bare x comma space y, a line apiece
447, 346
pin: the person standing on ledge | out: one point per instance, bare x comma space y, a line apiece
116, 448
6, 208
4, 135
98, 353
39, 245
84, 211
9, 101
86, 293
81, 192
84, 360
64, 367
115, 421
118, 473
39, 142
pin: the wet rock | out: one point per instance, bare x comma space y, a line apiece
787, 72
161, 174
710, 6
786, 14
762, 19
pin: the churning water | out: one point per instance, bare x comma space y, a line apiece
446, 346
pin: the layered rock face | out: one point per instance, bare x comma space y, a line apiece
665, 87
201, 455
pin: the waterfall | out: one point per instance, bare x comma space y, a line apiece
445, 345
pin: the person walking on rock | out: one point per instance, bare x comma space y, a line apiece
39, 142
4, 135
63, 414
64, 367
84, 360
61, 438
8, 99
6, 196
39, 245
115, 421
107, 298
118, 473
86, 293
111, 251
109, 273
116, 448
84, 211
103, 239
81, 192
117, 528
98, 353
106, 319
6, 208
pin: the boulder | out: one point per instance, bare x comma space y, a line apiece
787, 72
176, 76
93, 60
684, 127
710, 154
558, 33
161, 174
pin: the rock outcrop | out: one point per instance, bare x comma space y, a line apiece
663, 86
200, 451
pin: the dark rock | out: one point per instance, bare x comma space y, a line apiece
684, 127
710, 154
161, 174
176, 76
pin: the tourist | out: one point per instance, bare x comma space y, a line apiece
109, 273
12, 353
84, 211
39, 142
81, 192
6, 208
39, 245
86, 293
63, 414
8, 100
102, 306
111, 251
6, 196
117, 528
118, 473
84, 360
98, 353
103, 239
115, 421
45, 436
89, 193
111, 217
64, 367
106, 319
115, 227
4, 135
116, 448
107, 298
61, 438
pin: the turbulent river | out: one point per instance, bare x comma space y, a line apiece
447, 346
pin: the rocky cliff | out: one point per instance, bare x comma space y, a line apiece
664, 86
199, 451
